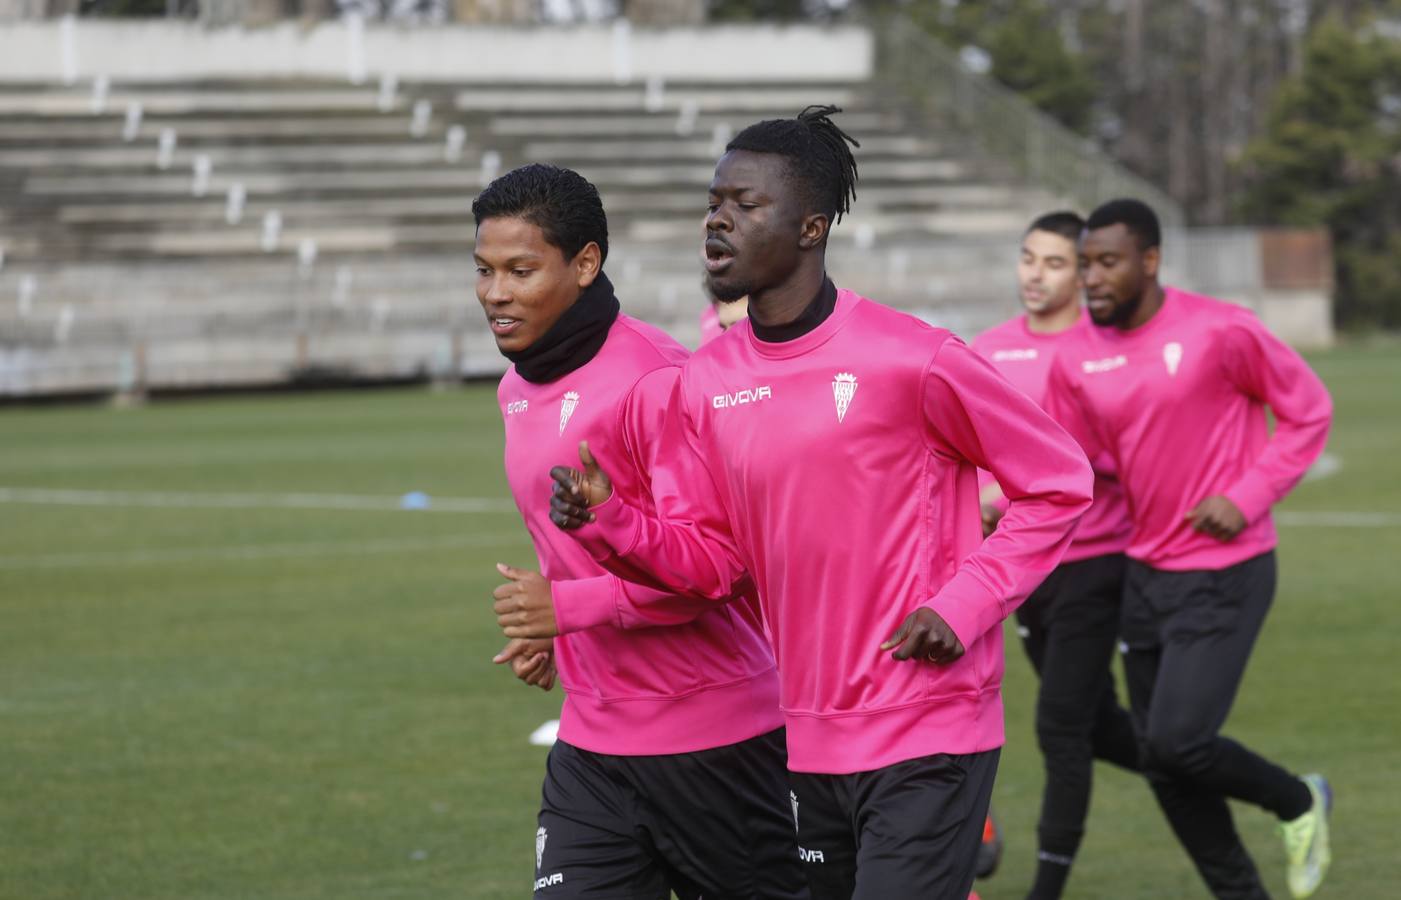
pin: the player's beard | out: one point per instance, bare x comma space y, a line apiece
1126, 310
728, 291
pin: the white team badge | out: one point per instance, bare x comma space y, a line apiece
540, 837
1172, 356
794, 798
566, 409
843, 389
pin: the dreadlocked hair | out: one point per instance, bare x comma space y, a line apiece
821, 163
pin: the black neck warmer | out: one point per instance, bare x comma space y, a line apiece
574, 339
814, 315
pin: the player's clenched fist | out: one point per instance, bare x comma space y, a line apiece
1218, 517
925, 635
575, 491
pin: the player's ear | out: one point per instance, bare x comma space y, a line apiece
587, 263
814, 231
1152, 257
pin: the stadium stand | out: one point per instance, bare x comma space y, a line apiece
211, 231
169, 280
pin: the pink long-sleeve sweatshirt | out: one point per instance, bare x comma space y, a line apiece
839, 470
707, 678
1179, 403
1024, 357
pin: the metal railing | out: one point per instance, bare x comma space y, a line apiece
1044, 152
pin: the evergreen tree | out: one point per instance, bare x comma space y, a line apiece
1331, 156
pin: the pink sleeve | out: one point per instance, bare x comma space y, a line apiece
686, 547
1269, 370
975, 415
1063, 405
608, 600
978, 346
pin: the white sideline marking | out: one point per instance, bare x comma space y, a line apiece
1339, 519
249, 552
194, 500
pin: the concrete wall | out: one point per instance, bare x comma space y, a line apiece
1293, 296
161, 51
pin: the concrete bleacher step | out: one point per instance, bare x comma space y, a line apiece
447, 222
179, 102
322, 100
107, 130
130, 247
87, 130
929, 224
588, 124
181, 212
250, 282
373, 237
701, 148
621, 205
141, 157
444, 224
466, 178
178, 183
747, 98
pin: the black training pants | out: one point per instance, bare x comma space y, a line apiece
1189, 637
1069, 627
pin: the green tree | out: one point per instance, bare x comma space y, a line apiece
1027, 48
1330, 156
1030, 56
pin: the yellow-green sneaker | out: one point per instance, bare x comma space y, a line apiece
1306, 840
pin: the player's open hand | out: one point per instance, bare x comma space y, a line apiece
525, 606
925, 635
575, 491
1218, 517
533, 662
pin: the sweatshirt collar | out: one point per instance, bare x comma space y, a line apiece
813, 315
844, 303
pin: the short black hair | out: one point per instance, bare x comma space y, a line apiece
820, 161
1063, 222
563, 204
1135, 215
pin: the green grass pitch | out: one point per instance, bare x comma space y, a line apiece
200, 701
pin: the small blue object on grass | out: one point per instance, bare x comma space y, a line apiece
415, 500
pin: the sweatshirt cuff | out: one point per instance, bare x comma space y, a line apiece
1252, 496
583, 603
613, 532
968, 606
